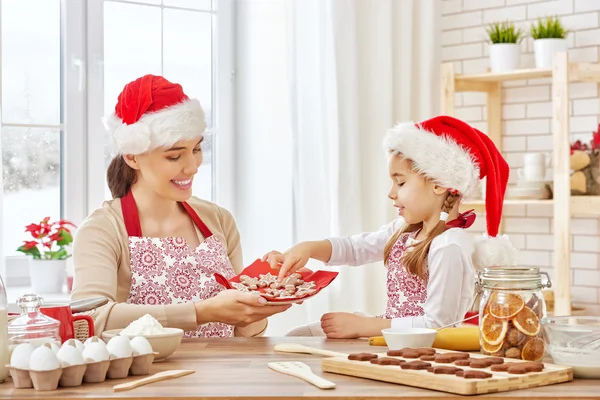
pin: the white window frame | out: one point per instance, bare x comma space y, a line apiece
73, 161
83, 105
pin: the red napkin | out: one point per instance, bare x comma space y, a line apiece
320, 278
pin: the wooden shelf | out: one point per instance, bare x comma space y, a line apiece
534, 73
580, 205
577, 72
564, 206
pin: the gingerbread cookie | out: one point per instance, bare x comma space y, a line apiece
494, 360
463, 363
479, 364
289, 282
448, 358
395, 353
307, 288
362, 356
250, 283
267, 279
386, 361
444, 370
426, 351
474, 374
427, 358
411, 353
416, 365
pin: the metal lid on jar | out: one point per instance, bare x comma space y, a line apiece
514, 277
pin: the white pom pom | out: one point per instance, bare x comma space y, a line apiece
494, 252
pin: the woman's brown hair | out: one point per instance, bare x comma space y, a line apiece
414, 260
119, 177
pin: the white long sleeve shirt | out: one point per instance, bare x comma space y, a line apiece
451, 284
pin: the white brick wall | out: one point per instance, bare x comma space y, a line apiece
527, 111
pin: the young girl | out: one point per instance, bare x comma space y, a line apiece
154, 248
431, 259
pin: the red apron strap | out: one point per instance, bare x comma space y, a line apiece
132, 218
130, 215
192, 213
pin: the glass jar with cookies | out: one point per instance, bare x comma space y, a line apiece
511, 308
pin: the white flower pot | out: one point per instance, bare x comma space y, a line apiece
47, 276
505, 57
545, 49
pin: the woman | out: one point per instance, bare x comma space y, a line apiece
154, 249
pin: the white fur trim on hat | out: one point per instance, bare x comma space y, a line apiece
495, 251
437, 157
162, 128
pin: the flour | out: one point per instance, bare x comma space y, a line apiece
146, 325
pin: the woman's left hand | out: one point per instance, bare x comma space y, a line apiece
341, 325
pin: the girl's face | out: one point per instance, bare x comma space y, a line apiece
416, 198
169, 172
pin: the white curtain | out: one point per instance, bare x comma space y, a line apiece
353, 68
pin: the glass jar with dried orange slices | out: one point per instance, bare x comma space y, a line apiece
510, 311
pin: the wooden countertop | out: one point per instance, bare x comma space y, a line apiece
235, 368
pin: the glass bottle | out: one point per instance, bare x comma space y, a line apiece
510, 312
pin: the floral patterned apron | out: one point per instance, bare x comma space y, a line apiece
167, 271
406, 293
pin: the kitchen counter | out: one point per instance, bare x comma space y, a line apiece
237, 368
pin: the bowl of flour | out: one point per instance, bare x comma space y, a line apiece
164, 341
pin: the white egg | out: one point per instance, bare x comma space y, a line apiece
95, 352
74, 343
43, 359
140, 345
53, 346
20, 356
94, 339
119, 347
69, 356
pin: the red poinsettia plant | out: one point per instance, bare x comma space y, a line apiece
49, 240
593, 146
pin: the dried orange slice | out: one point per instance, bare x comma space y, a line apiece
493, 330
527, 322
490, 349
506, 305
533, 350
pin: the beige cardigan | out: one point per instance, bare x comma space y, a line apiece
101, 265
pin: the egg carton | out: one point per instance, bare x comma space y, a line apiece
89, 372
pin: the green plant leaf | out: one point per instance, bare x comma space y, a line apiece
59, 254
504, 32
33, 251
548, 28
66, 238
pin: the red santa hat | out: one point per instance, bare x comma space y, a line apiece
456, 156
152, 112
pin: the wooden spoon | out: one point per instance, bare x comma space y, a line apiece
299, 348
160, 376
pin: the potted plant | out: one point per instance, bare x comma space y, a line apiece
505, 46
48, 251
549, 37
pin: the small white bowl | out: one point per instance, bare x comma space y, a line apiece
398, 339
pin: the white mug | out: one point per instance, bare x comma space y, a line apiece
532, 173
537, 159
